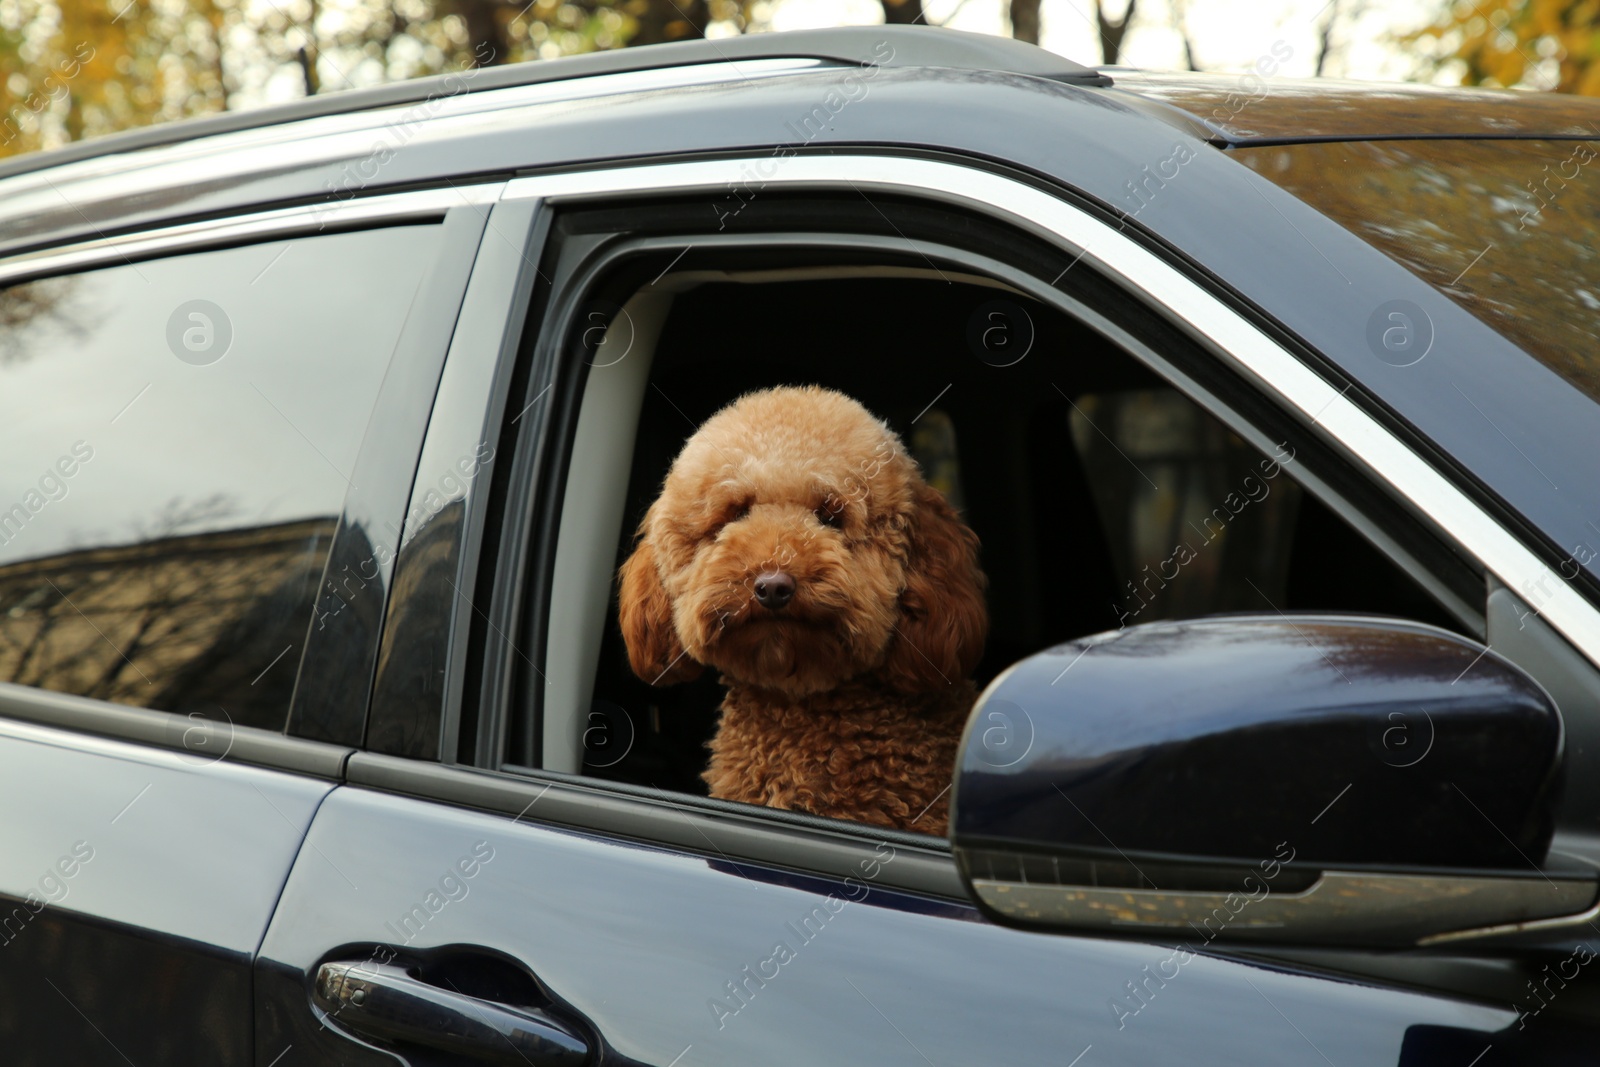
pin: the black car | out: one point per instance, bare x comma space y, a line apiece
1275, 406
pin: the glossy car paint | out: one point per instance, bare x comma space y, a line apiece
136, 884
1257, 110
676, 958
1367, 742
330, 701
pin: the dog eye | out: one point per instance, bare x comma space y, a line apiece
830, 514
733, 514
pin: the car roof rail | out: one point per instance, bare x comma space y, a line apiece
887, 46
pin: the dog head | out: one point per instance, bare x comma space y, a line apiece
795, 546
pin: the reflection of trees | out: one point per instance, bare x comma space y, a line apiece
31, 304
1189, 516
1435, 206
177, 981
332, 705
1320, 108
408, 687
176, 622
1274, 640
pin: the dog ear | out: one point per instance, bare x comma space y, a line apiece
943, 617
645, 611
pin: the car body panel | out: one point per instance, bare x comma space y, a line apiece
137, 884
644, 943
1516, 251
889, 46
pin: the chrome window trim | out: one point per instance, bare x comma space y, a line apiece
1250, 351
236, 229
350, 136
1402, 910
104, 728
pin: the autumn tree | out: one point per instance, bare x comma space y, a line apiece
77, 68
71, 69
1519, 43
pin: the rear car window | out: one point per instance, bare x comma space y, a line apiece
1507, 229
176, 442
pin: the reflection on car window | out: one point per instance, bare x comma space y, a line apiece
1181, 495
933, 444
1438, 206
177, 438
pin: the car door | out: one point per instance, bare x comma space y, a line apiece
475, 893
184, 409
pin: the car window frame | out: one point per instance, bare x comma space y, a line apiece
459, 212
480, 370
1227, 400
1222, 399
540, 379
1268, 364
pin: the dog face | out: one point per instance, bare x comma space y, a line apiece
795, 546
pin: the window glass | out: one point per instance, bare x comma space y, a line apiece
932, 442
1504, 228
176, 442
1196, 520
1507, 230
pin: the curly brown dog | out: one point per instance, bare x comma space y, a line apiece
796, 549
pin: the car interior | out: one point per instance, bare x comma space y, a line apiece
1090, 481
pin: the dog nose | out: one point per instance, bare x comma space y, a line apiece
774, 589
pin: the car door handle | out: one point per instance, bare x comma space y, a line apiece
385, 1001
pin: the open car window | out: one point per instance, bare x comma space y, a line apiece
1101, 494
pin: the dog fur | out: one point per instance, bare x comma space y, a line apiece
849, 700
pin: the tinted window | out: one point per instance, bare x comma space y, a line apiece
1507, 229
1196, 520
1250, 107
176, 438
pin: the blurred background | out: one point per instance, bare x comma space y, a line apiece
71, 69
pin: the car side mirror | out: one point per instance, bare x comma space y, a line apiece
1306, 779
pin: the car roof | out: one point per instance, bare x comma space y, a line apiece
676, 99
1226, 109
1252, 109
886, 46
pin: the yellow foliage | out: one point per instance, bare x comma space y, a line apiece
84, 68
1520, 43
